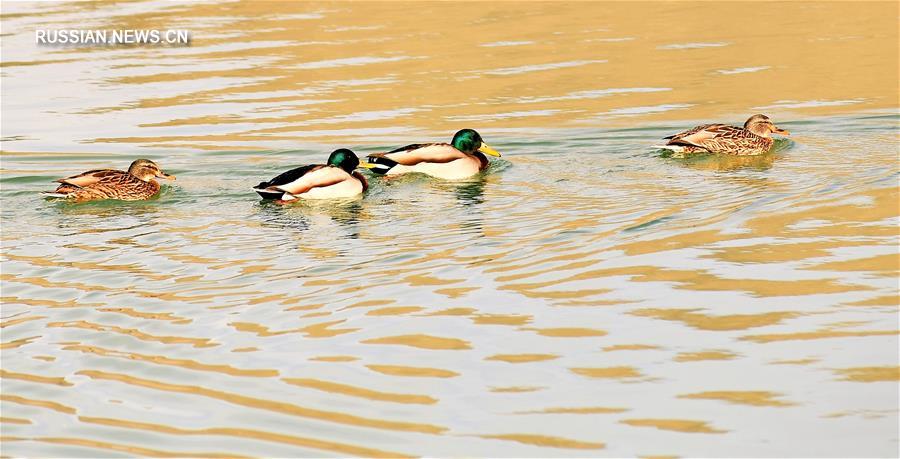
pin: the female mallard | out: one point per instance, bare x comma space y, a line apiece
136, 184
461, 158
753, 139
337, 179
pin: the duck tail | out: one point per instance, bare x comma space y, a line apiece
53, 194
675, 148
268, 193
381, 164
273, 193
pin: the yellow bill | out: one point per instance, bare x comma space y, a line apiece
486, 149
366, 165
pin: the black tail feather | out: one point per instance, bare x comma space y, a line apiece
382, 164
269, 194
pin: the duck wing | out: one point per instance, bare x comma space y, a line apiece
411, 155
92, 177
701, 134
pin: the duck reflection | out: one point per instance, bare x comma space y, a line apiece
272, 214
469, 193
469, 197
301, 216
721, 163
100, 216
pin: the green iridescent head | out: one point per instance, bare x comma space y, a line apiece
469, 141
343, 158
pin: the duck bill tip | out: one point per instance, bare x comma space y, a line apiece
486, 149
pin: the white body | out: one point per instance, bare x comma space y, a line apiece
438, 160
324, 183
454, 170
346, 189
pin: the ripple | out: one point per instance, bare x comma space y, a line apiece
522, 358
547, 441
506, 43
422, 342
753, 398
739, 70
695, 45
608, 372
540, 67
415, 372
354, 391
580, 267
704, 355
809, 104
262, 404
870, 374
677, 425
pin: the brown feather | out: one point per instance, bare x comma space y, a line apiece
722, 138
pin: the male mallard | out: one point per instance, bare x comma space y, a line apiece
337, 179
752, 139
135, 185
461, 158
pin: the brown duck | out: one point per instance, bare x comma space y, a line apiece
752, 139
136, 184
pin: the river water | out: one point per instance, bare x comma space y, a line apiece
585, 296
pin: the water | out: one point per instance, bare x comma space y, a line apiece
586, 296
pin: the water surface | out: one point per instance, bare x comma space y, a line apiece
585, 296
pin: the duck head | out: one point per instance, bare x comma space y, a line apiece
468, 141
346, 160
761, 126
147, 170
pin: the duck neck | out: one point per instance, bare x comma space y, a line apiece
759, 129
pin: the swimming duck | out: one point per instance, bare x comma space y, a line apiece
752, 139
461, 158
336, 179
136, 184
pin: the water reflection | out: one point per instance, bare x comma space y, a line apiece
281, 217
720, 163
301, 216
469, 193
583, 297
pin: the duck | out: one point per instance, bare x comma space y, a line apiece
135, 184
753, 139
337, 178
463, 157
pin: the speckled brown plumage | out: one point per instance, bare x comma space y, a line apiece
134, 185
752, 139
725, 139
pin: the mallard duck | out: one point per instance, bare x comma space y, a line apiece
752, 139
136, 184
461, 158
337, 179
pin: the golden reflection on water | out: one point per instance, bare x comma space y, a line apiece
262, 73
587, 296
